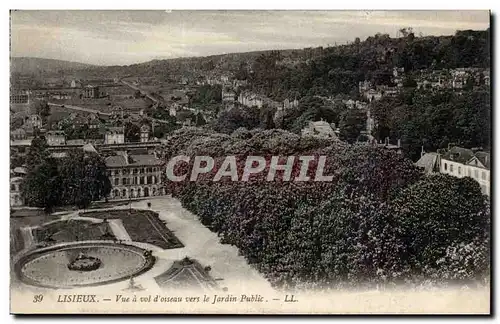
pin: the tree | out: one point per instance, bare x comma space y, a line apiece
42, 185
199, 119
132, 132
42, 108
161, 130
409, 82
84, 177
267, 117
352, 122
438, 212
37, 152
229, 121
77, 179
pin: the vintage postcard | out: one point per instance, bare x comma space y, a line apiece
250, 162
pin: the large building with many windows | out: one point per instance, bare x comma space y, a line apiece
134, 175
460, 162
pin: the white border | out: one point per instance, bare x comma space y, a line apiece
186, 4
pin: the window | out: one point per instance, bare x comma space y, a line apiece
476, 174
459, 170
117, 181
13, 187
468, 172
124, 181
445, 167
451, 167
483, 175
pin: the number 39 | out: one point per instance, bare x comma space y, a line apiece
37, 298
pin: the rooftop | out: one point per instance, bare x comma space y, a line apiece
467, 156
428, 162
134, 160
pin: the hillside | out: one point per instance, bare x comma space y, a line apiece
284, 70
29, 65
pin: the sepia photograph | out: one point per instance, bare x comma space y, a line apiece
256, 162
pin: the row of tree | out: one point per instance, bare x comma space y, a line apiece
77, 179
380, 221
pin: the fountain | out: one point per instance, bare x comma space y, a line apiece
84, 262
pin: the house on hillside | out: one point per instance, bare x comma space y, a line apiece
320, 129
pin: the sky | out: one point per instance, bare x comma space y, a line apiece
133, 36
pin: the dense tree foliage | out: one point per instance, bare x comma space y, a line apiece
370, 225
352, 122
434, 119
42, 108
77, 179
230, 120
438, 213
333, 70
132, 132
206, 97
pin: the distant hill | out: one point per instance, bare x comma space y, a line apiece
28, 65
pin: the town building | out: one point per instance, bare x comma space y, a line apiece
18, 134
91, 92
250, 100
55, 137
114, 135
320, 129
459, 162
228, 95
370, 122
134, 175
172, 110
75, 84
17, 176
145, 133
228, 98
21, 97
290, 104
34, 121
373, 95
117, 112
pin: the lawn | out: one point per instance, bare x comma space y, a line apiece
23, 218
142, 226
73, 230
